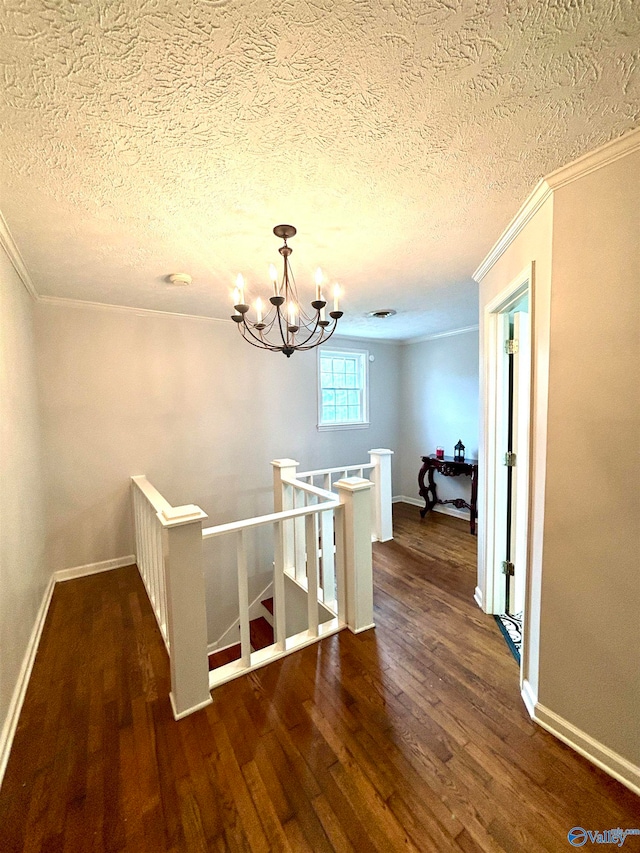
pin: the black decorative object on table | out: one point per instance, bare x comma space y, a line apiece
458, 452
449, 467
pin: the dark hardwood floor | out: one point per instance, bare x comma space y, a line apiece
411, 736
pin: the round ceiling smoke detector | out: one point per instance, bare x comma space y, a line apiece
382, 313
180, 278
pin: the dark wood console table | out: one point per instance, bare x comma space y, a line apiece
448, 467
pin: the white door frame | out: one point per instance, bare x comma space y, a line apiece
492, 591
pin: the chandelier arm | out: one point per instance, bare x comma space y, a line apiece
279, 316
311, 333
321, 340
248, 331
260, 344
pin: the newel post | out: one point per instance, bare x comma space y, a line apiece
382, 493
186, 609
354, 493
284, 469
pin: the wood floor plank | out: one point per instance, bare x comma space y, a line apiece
411, 736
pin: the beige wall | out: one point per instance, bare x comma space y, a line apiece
439, 380
585, 503
590, 625
23, 572
189, 404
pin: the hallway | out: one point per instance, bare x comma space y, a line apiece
411, 736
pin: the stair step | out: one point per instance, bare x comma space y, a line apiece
261, 633
217, 659
267, 603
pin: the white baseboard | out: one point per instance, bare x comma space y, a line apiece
451, 510
444, 509
17, 699
403, 499
477, 597
594, 751
93, 568
15, 706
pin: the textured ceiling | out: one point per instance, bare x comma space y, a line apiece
147, 137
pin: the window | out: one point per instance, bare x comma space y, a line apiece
342, 388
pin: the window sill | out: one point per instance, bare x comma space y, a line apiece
330, 427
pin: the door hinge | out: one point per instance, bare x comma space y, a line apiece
510, 459
511, 347
508, 568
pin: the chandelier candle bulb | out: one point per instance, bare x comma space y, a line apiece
240, 287
273, 275
259, 309
336, 297
319, 279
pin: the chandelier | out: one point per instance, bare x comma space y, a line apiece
286, 326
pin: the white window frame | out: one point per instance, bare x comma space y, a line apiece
364, 358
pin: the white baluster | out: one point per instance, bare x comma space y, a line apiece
301, 500
243, 599
328, 561
312, 574
278, 587
341, 580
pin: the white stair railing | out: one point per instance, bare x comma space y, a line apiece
378, 469
321, 542
169, 558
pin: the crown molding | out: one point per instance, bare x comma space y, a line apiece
13, 253
590, 162
596, 159
128, 309
438, 335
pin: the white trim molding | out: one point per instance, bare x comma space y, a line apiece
404, 499
529, 697
19, 692
93, 568
127, 309
419, 502
13, 253
603, 156
437, 335
477, 597
597, 753
594, 751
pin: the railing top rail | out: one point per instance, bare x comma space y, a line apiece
245, 524
312, 490
151, 493
337, 470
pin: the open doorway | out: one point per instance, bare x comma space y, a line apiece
508, 374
